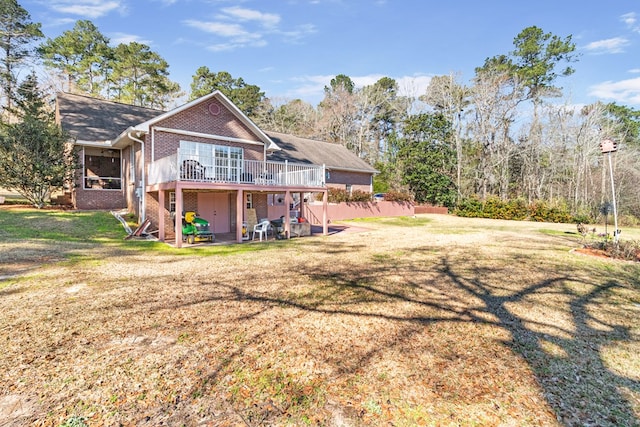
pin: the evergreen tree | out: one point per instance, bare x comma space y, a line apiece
82, 55
140, 77
245, 96
427, 159
17, 33
35, 155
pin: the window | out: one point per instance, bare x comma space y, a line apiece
249, 200
172, 201
102, 169
220, 162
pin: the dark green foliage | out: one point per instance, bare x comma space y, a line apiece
340, 195
35, 157
516, 209
627, 120
82, 54
543, 211
398, 196
245, 96
340, 82
17, 32
427, 159
140, 77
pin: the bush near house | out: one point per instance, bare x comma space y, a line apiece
339, 195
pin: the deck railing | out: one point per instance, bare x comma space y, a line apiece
184, 166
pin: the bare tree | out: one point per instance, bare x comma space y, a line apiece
495, 96
450, 98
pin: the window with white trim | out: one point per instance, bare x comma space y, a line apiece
220, 162
102, 168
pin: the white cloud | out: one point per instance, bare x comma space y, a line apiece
269, 20
623, 91
631, 21
293, 36
629, 18
235, 34
87, 8
612, 45
218, 28
243, 27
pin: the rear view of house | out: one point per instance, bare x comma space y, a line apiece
205, 156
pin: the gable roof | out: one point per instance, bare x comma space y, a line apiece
97, 120
304, 150
220, 97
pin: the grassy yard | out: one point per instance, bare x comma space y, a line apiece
434, 320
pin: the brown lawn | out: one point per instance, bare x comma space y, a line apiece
453, 322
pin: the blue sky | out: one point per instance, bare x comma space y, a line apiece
292, 48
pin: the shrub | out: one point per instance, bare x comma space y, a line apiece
339, 195
359, 196
625, 249
515, 209
398, 196
470, 208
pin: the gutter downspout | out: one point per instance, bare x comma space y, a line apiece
143, 192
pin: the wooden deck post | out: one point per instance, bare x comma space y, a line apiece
239, 215
161, 201
178, 216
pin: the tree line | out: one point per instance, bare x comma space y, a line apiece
510, 133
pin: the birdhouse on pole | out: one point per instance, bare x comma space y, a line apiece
608, 146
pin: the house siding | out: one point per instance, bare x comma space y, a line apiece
99, 199
199, 119
358, 180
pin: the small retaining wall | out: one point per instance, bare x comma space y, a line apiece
351, 210
428, 209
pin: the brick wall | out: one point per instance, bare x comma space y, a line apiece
429, 209
200, 119
189, 203
93, 199
358, 180
342, 211
260, 205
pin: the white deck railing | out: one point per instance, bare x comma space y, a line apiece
188, 167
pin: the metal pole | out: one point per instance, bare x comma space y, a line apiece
615, 210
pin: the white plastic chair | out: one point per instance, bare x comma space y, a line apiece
261, 228
269, 227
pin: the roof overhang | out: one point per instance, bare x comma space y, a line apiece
334, 168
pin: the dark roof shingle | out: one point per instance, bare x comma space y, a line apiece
97, 120
92, 119
303, 150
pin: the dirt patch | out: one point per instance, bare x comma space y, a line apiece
15, 409
599, 253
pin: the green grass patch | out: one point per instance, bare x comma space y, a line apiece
66, 226
397, 221
98, 227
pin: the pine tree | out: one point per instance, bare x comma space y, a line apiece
35, 155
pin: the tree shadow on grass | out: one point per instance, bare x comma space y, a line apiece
577, 382
568, 360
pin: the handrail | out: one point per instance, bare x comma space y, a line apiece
186, 166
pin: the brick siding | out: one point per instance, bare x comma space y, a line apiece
199, 119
